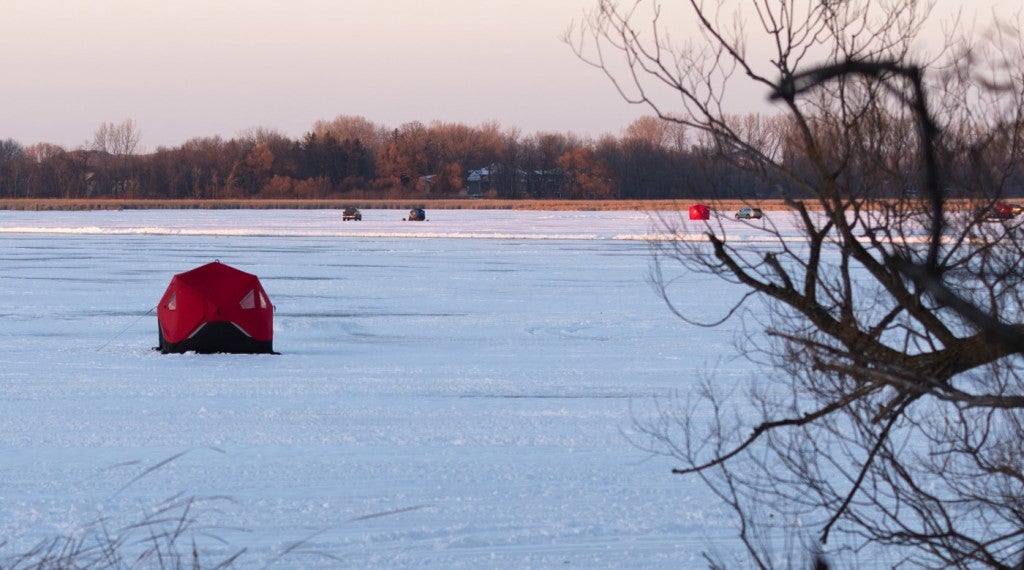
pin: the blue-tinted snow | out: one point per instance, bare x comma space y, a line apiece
472, 379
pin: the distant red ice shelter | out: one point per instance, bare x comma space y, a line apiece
215, 308
700, 212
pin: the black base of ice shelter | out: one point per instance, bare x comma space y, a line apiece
217, 336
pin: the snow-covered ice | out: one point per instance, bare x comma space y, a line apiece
471, 379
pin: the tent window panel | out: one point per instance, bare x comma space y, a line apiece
264, 303
249, 301
172, 303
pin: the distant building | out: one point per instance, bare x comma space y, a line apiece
496, 180
479, 182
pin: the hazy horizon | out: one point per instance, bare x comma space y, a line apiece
194, 68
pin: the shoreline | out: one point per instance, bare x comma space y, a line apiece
680, 205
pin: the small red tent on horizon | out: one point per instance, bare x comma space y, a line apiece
215, 308
700, 212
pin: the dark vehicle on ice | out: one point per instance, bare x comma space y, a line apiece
749, 214
351, 213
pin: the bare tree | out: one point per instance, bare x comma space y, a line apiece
119, 140
116, 176
11, 168
347, 127
889, 321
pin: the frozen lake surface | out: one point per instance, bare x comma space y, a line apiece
457, 392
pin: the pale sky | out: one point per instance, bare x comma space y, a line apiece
189, 68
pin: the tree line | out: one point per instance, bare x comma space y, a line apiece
351, 157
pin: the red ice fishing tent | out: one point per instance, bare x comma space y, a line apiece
215, 308
700, 212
